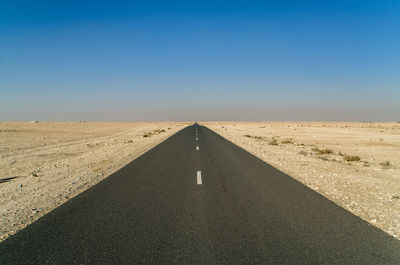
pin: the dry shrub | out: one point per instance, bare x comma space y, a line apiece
253, 136
322, 151
273, 142
352, 158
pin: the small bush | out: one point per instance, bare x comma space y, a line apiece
385, 164
157, 131
253, 136
352, 158
287, 142
322, 151
273, 142
146, 135
302, 152
327, 151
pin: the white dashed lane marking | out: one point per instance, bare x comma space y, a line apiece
199, 182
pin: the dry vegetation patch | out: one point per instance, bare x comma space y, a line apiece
155, 132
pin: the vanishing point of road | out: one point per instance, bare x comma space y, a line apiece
197, 198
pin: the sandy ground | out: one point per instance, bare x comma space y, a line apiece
42, 165
356, 165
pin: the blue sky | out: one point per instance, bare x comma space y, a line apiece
200, 60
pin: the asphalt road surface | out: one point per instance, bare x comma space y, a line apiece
199, 199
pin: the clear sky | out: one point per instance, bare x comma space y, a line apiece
200, 60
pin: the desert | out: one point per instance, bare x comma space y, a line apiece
354, 164
44, 164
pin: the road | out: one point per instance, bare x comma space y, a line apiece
198, 199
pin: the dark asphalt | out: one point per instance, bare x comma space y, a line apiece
153, 212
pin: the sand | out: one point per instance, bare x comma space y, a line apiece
323, 156
42, 165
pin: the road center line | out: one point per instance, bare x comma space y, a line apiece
197, 138
197, 148
199, 182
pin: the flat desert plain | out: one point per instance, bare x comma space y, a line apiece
42, 165
355, 165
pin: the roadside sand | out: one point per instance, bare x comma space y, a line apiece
324, 157
53, 162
